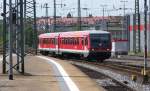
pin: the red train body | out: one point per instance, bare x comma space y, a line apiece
87, 44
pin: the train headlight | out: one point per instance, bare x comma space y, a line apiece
107, 49
92, 49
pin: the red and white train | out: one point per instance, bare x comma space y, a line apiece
90, 44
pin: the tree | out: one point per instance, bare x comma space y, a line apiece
90, 15
69, 15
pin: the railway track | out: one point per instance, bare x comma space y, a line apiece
125, 72
118, 66
121, 78
107, 82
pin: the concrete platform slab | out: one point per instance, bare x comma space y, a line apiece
38, 77
41, 76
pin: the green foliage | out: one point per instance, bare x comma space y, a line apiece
29, 36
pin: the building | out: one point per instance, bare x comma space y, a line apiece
132, 28
111, 24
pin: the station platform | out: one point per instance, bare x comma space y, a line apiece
48, 74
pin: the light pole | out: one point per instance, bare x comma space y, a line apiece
46, 17
124, 12
104, 7
79, 16
145, 43
86, 10
55, 15
54, 26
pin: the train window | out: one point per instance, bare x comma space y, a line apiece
67, 40
71, 41
86, 41
44, 41
64, 40
77, 41
82, 41
56, 42
48, 40
52, 41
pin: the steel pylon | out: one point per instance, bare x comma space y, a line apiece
14, 18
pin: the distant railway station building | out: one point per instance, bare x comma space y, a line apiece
133, 30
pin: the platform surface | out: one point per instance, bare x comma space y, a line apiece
48, 74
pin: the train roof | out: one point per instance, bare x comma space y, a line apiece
48, 35
73, 33
82, 33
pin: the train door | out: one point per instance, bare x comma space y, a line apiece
85, 45
56, 44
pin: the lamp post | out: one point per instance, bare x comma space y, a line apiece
86, 10
124, 12
79, 15
145, 77
103, 6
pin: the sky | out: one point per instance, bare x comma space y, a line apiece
94, 7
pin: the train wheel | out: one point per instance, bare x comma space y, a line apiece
82, 57
100, 60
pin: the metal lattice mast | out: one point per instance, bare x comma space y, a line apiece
145, 41
12, 44
79, 15
5, 41
46, 17
136, 34
54, 26
30, 23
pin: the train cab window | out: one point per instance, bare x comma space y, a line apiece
100, 40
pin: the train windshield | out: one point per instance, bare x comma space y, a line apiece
100, 40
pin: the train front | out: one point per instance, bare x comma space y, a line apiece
100, 46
